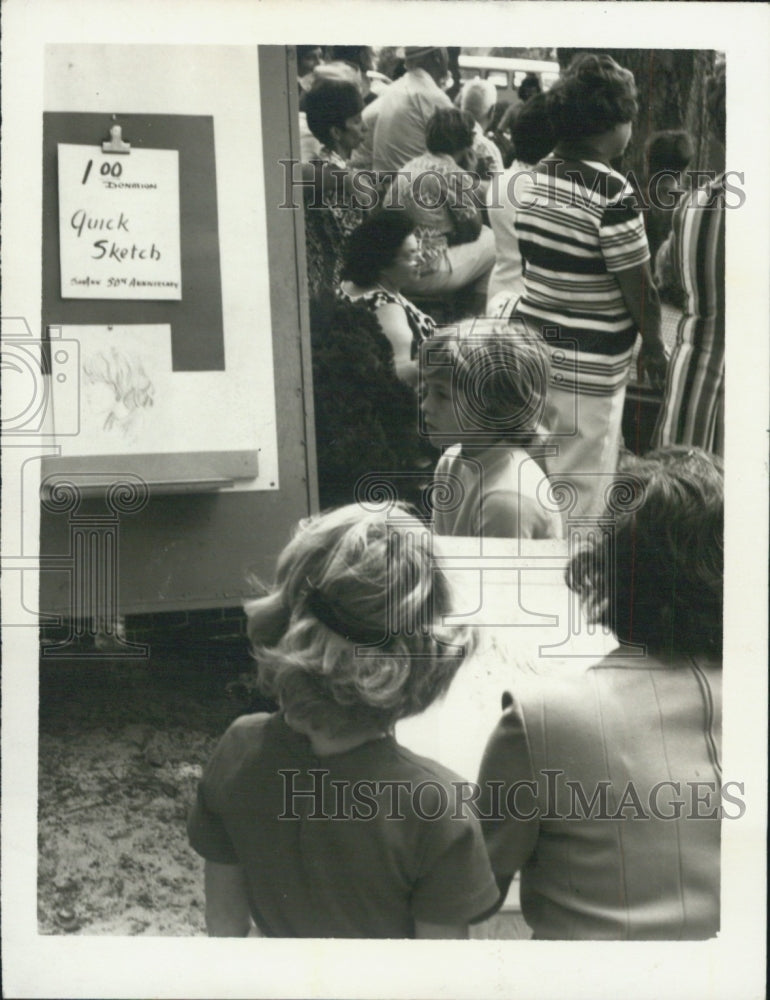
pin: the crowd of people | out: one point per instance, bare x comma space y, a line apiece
518, 214
514, 224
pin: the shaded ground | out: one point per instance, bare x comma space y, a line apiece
121, 749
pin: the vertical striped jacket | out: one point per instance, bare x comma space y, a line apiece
695, 383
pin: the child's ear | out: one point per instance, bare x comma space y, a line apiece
267, 619
507, 700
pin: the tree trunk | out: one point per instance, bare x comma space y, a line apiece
671, 92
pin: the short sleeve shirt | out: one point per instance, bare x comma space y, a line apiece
358, 844
577, 223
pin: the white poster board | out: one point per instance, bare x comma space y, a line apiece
119, 223
122, 397
124, 401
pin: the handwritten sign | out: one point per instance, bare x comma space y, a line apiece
119, 223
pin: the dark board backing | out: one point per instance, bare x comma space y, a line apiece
197, 338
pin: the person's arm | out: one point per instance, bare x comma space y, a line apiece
508, 273
509, 798
455, 885
641, 299
227, 903
666, 271
437, 931
627, 255
395, 326
466, 224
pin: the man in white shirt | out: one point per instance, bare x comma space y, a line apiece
395, 122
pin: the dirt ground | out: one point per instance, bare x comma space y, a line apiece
122, 745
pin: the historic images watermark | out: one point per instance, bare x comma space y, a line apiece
549, 796
369, 189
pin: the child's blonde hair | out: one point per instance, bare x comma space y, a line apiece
351, 636
499, 375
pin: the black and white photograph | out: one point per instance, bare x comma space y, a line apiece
385, 475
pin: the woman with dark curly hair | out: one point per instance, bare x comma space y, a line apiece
588, 286
619, 834
333, 112
378, 258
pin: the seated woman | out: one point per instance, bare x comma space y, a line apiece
309, 145
365, 417
379, 256
610, 776
436, 189
333, 108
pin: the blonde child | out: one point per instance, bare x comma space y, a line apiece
314, 821
482, 393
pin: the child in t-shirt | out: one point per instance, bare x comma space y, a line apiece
314, 821
482, 392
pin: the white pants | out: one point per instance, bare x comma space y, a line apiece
464, 264
587, 431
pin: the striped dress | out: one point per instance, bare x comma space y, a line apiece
692, 405
577, 223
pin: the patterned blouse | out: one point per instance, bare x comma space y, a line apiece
421, 325
327, 226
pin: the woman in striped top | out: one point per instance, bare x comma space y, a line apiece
587, 277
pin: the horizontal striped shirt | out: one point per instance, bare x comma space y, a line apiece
577, 224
